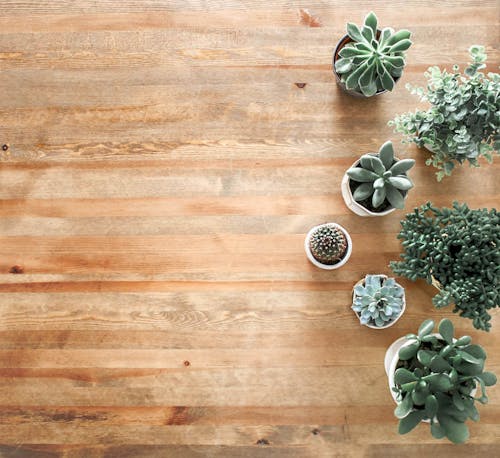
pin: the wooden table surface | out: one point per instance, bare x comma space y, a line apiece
163, 162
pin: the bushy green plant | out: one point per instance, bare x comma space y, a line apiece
381, 177
457, 250
436, 379
328, 244
372, 61
463, 121
378, 301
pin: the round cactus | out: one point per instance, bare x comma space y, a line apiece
328, 244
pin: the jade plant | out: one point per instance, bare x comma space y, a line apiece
373, 60
328, 244
462, 123
380, 178
458, 251
436, 379
378, 300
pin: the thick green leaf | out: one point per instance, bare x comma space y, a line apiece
363, 191
399, 35
371, 21
378, 166
456, 431
475, 350
488, 378
378, 183
370, 89
354, 32
343, 65
395, 61
469, 358
402, 166
400, 46
352, 51
403, 375
425, 357
436, 430
378, 197
352, 81
418, 397
439, 364
425, 328
446, 330
361, 175
367, 76
367, 32
408, 351
404, 407
439, 382
386, 154
458, 401
431, 406
385, 78
464, 340
402, 183
394, 197
410, 421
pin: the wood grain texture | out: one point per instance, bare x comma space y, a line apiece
163, 161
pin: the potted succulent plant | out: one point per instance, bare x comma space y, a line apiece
369, 61
377, 183
328, 246
456, 250
378, 301
463, 121
434, 377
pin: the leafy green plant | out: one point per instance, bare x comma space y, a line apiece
458, 251
328, 244
463, 121
381, 178
378, 301
374, 59
436, 379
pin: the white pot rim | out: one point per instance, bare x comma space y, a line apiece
354, 206
314, 261
390, 323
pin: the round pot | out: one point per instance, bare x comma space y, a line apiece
343, 41
354, 206
314, 261
390, 323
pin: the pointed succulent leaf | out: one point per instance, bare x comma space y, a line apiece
363, 191
410, 421
398, 36
446, 330
386, 154
394, 197
378, 197
378, 166
365, 79
402, 166
367, 33
352, 81
354, 32
343, 65
371, 21
385, 78
361, 175
404, 407
400, 46
402, 183
378, 183
352, 51
395, 61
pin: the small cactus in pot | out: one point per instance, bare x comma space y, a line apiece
328, 246
378, 301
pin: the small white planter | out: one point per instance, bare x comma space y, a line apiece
390, 323
314, 261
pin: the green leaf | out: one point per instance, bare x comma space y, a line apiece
439, 382
395, 61
343, 65
425, 357
402, 376
410, 421
408, 351
446, 330
371, 21
363, 191
400, 46
464, 340
402, 166
402, 183
436, 430
431, 406
439, 364
385, 78
418, 397
352, 81
378, 166
378, 197
488, 378
475, 350
352, 51
361, 175
394, 197
399, 35
456, 431
386, 154
370, 89
354, 32
469, 358
425, 328
404, 407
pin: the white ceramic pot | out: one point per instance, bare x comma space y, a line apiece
314, 261
391, 323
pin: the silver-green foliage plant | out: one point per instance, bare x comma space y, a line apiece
436, 380
382, 177
457, 250
328, 244
372, 61
463, 121
378, 301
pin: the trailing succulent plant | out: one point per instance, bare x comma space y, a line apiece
436, 380
381, 178
374, 59
463, 121
328, 244
458, 251
378, 301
